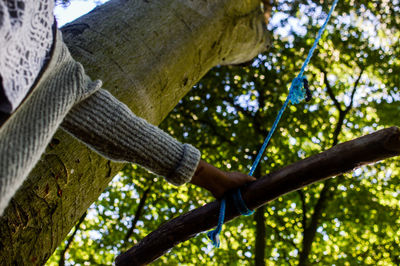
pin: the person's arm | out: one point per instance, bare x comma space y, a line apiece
109, 127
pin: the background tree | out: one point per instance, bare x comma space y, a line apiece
351, 219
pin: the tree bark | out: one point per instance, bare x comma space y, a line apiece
337, 160
148, 54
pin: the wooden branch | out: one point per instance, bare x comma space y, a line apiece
70, 239
337, 160
310, 231
138, 213
330, 91
353, 92
304, 209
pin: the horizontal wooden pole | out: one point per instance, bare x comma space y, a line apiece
340, 159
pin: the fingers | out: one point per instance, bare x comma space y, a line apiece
251, 178
218, 182
236, 179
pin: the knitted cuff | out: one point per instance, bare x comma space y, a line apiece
184, 172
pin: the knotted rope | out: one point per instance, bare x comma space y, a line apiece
298, 91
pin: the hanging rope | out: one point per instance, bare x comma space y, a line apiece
298, 91
213, 234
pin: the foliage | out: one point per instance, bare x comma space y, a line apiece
354, 218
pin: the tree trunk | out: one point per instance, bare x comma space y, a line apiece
311, 230
148, 54
259, 255
259, 218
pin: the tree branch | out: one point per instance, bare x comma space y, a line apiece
310, 231
138, 213
337, 160
338, 128
330, 91
70, 239
353, 92
304, 208
259, 218
259, 257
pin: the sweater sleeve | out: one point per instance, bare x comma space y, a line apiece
109, 127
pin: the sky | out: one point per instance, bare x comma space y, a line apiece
74, 9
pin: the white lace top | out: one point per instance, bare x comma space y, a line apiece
26, 38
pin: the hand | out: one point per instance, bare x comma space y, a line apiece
217, 181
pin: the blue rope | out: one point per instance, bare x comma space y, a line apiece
213, 234
321, 30
240, 204
298, 91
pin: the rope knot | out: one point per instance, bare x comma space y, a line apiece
299, 90
241, 207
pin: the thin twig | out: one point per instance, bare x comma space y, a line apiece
138, 213
330, 91
355, 87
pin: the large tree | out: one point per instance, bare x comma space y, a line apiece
351, 219
148, 54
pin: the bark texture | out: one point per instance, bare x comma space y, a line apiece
337, 160
148, 54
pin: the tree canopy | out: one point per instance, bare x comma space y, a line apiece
350, 219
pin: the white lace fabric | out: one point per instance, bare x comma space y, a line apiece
26, 38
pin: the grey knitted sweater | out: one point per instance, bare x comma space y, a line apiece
65, 96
